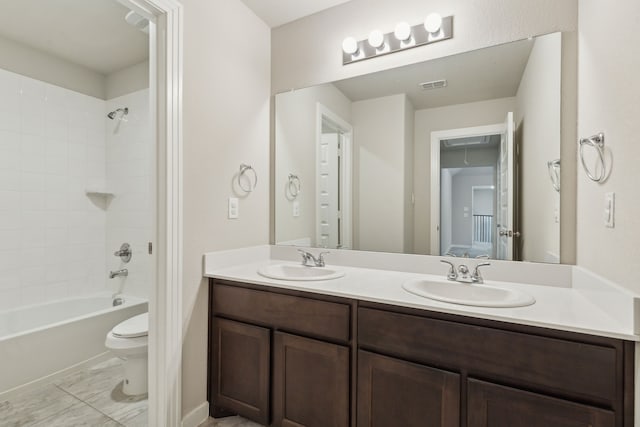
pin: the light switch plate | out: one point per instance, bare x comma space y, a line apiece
609, 209
296, 209
234, 208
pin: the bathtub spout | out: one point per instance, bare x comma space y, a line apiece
119, 273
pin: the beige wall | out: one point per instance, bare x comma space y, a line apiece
127, 80
295, 152
409, 119
609, 101
537, 114
308, 51
379, 127
226, 122
437, 119
24, 60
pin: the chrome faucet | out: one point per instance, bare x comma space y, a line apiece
308, 257
461, 274
119, 273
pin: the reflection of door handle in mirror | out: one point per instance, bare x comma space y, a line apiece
503, 233
509, 233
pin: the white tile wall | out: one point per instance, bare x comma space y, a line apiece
130, 160
55, 143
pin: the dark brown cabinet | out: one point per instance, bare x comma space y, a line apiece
295, 359
393, 393
491, 405
310, 382
242, 363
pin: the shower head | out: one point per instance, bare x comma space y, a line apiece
112, 115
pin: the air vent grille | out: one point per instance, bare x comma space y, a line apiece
435, 84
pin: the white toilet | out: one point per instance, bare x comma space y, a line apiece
129, 341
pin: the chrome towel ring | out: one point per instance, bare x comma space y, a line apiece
294, 186
597, 142
248, 184
554, 173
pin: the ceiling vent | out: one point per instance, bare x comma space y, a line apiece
435, 84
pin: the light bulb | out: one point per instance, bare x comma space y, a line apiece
376, 38
350, 45
402, 31
433, 22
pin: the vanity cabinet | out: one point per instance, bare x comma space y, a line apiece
279, 359
291, 359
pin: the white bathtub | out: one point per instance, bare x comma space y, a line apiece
39, 340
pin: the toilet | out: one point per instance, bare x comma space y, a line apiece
129, 341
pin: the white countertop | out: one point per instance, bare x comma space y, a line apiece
567, 308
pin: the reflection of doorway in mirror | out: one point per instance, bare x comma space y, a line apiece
333, 181
469, 167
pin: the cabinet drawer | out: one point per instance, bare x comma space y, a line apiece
580, 370
305, 316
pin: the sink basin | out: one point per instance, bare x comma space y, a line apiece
467, 294
298, 272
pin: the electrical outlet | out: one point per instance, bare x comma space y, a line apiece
609, 209
234, 208
296, 209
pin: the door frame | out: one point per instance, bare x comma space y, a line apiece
436, 137
165, 302
346, 165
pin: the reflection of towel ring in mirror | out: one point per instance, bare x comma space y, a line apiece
597, 142
294, 186
554, 173
252, 182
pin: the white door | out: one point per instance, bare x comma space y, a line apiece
504, 217
328, 215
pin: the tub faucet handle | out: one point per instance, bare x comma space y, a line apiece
124, 252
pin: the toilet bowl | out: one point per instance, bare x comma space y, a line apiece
129, 341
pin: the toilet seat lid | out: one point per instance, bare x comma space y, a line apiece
137, 326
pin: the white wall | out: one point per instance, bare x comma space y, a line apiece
127, 80
538, 114
130, 156
308, 51
52, 236
295, 152
26, 61
436, 119
610, 101
409, 118
226, 122
379, 127
445, 210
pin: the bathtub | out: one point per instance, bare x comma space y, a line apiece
40, 340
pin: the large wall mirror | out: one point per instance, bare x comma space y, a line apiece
456, 156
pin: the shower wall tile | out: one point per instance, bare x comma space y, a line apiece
52, 147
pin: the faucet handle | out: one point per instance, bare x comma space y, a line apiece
306, 256
476, 276
320, 262
452, 275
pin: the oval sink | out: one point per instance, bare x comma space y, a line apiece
467, 294
298, 272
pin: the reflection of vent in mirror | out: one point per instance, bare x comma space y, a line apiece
467, 142
435, 84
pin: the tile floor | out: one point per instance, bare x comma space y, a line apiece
90, 397
229, 422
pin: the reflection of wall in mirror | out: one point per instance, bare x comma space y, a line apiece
295, 132
538, 116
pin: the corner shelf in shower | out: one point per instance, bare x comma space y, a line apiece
100, 197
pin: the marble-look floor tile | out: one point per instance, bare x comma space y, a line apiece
141, 420
229, 422
101, 387
34, 406
79, 415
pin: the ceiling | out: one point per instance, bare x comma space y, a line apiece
90, 33
478, 75
279, 12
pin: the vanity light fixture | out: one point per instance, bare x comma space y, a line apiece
435, 28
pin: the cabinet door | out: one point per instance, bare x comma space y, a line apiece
491, 405
392, 393
240, 382
310, 383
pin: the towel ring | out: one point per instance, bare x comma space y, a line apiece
554, 173
597, 142
252, 182
294, 186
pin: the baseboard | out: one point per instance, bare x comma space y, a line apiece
197, 416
